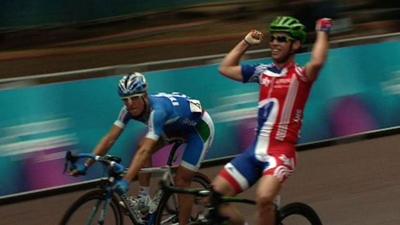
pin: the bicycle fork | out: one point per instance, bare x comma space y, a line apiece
103, 211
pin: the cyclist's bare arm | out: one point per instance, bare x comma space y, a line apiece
230, 64
143, 153
107, 142
318, 56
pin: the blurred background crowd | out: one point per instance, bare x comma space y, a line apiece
126, 32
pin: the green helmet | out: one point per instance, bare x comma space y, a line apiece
289, 25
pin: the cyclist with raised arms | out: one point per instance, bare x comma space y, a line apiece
169, 117
284, 89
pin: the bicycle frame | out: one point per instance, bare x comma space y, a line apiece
166, 170
215, 200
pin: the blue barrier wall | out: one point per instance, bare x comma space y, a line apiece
358, 90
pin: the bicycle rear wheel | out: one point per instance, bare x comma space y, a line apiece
167, 211
90, 209
298, 213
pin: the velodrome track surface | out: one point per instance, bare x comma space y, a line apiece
348, 184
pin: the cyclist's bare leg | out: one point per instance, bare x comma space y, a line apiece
183, 179
222, 186
144, 178
268, 188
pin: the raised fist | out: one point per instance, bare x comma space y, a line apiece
324, 24
254, 37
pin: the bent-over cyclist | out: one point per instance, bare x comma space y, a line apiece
169, 117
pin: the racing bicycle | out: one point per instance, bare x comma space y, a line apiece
103, 205
295, 213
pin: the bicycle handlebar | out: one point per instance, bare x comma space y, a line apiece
113, 162
109, 161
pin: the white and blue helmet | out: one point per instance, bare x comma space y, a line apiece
132, 84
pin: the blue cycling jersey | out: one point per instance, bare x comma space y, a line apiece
171, 116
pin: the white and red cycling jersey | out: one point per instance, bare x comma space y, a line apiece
283, 95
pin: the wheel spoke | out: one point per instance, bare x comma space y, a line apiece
94, 212
91, 209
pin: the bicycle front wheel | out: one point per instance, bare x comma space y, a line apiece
91, 209
167, 211
298, 213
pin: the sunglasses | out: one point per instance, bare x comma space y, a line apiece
132, 97
280, 38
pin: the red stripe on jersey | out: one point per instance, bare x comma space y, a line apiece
234, 184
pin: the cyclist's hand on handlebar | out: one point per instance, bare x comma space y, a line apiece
121, 186
78, 170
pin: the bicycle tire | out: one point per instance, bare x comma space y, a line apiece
310, 217
95, 196
198, 179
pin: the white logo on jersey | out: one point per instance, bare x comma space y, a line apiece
189, 122
297, 116
287, 161
283, 81
265, 81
